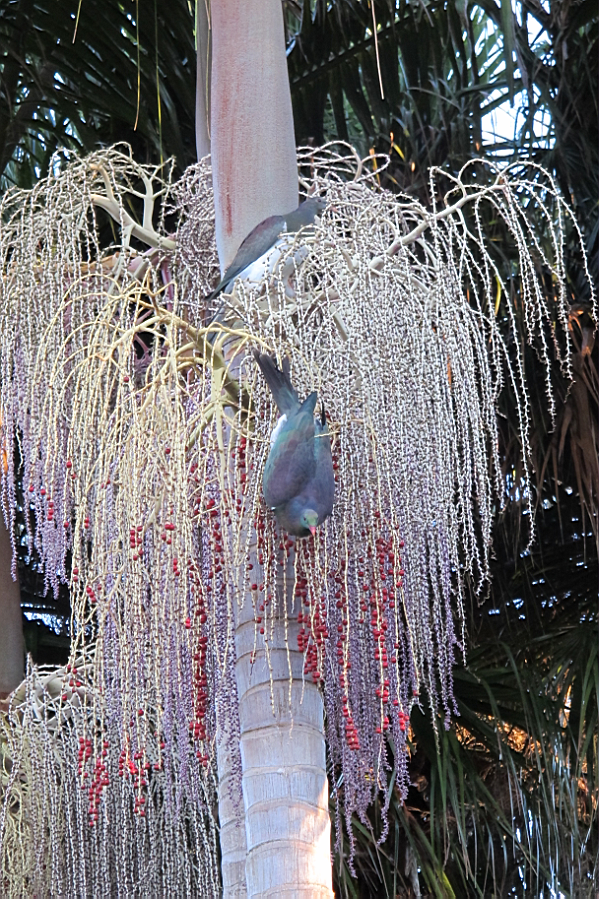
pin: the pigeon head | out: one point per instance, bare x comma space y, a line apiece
309, 520
305, 213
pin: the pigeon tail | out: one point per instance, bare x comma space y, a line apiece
278, 380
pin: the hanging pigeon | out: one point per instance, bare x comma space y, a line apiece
298, 481
263, 238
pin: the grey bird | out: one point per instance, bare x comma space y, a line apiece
264, 236
298, 481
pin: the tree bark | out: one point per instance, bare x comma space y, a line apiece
254, 160
12, 644
284, 847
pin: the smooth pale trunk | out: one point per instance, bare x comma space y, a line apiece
12, 644
284, 848
254, 162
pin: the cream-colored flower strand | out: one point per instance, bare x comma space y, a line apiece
392, 315
144, 434
95, 392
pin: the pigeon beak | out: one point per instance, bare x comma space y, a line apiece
312, 529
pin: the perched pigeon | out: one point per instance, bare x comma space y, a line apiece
298, 481
263, 238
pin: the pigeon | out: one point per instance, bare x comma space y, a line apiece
263, 238
298, 481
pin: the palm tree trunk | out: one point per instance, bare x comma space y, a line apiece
254, 161
285, 789
284, 848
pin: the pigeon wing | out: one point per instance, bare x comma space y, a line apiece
291, 462
256, 244
318, 492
